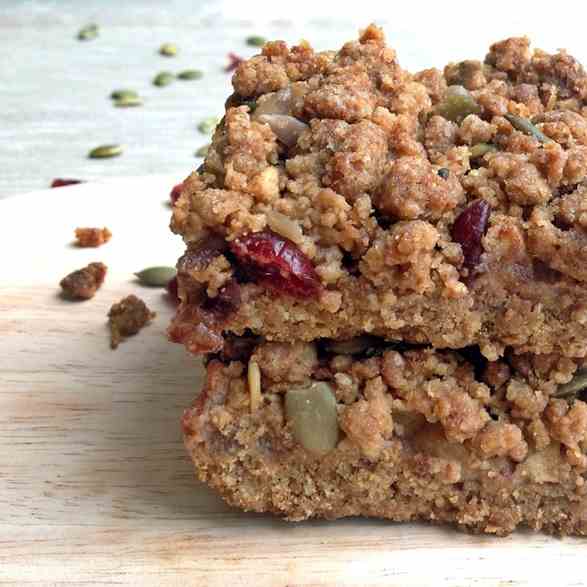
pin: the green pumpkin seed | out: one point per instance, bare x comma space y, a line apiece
312, 413
168, 50
163, 78
481, 149
457, 104
208, 125
525, 126
156, 276
189, 74
256, 41
123, 94
202, 151
88, 32
574, 386
128, 102
105, 151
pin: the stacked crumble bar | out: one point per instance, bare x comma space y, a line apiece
386, 272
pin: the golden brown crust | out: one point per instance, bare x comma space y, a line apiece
420, 439
355, 161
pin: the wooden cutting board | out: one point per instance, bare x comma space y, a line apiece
95, 487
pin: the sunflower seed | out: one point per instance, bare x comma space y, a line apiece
254, 381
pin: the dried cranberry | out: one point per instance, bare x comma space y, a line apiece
198, 255
469, 228
233, 62
226, 302
59, 182
171, 288
238, 348
175, 193
277, 263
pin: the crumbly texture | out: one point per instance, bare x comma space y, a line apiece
428, 435
357, 163
92, 237
126, 318
83, 283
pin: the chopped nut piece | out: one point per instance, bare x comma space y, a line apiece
126, 318
92, 237
84, 283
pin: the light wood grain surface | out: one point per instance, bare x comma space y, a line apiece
54, 104
95, 487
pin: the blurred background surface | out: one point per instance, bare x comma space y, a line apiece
54, 92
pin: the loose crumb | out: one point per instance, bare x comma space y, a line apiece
127, 317
84, 283
92, 237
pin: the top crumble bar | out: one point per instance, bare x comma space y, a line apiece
343, 195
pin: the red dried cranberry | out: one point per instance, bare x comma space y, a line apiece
175, 193
59, 182
277, 263
468, 230
233, 62
171, 288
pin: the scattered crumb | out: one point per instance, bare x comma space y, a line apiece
92, 237
127, 317
84, 283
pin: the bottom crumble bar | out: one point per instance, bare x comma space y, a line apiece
330, 430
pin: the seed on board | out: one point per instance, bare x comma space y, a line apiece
202, 151
254, 381
312, 413
122, 94
128, 102
156, 276
208, 125
88, 32
168, 50
105, 151
189, 74
256, 41
163, 78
